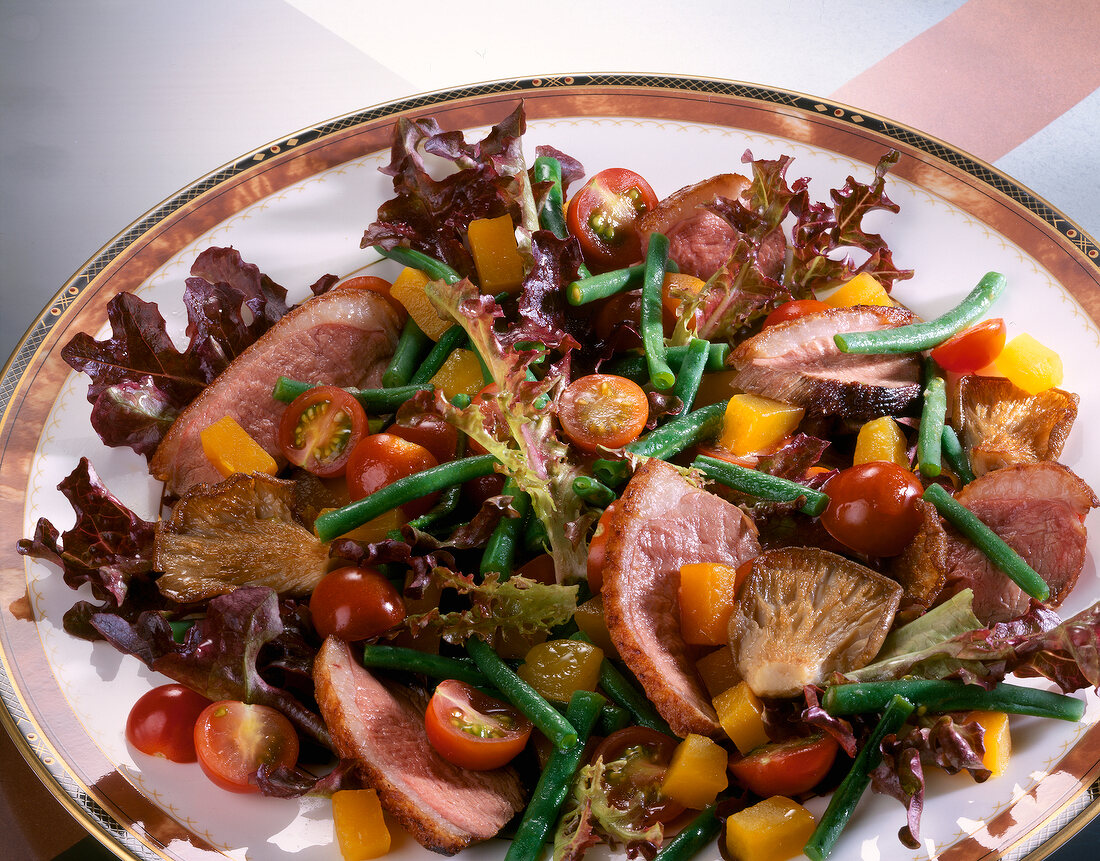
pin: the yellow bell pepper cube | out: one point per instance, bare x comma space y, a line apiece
592, 622
741, 715
753, 423
496, 255
460, 373
697, 772
230, 449
773, 830
998, 743
861, 290
1030, 365
408, 289
714, 387
717, 671
708, 592
361, 830
881, 439
378, 529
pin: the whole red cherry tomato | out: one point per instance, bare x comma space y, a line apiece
381, 459
162, 722
355, 604
873, 507
793, 310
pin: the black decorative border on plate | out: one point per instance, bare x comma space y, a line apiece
124, 842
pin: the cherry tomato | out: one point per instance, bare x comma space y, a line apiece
478, 490
234, 739
597, 549
381, 459
603, 410
872, 507
793, 310
320, 429
162, 722
355, 604
603, 215
430, 431
474, 730
787, 768
972, 349
637, 782
616, 320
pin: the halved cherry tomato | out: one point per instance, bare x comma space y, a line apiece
793, 310
972, 349
603, 410
636, 782
430, 431
355, 604
381, 459
603, 215
873, 507
474, 730
787, 768
320, 428
162, 722
597, 549
233, 739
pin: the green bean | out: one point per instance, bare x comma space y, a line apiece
438, 354
690, 372
535, 539
406, 357
652, 325
373, 400
633, 366
437, 270
585, 290
555, 781
847, 795
548, 719
989, 542
621, 691
930, 436
500, 551
665, 442
448, 502
414, 661
922, 336
762, 485
551, 216
956, 455
332, 524
612, 719
592, 491
693, 838
461, 400
937, 695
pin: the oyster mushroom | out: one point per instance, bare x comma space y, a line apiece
804, 613
244, 531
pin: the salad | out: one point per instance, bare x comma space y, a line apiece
611, 519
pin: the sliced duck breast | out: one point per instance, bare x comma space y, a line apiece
662, 522
1037, 509
380, 726
344, 337
799, 363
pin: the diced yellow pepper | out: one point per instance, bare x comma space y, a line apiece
697, 772
998, 743
881, 439
230, 449
742, 717
754, 423
861, 290
559, 668
715, 387
460, 373
717, 671
378, 529
708, 592
592, 622
361, 830
773, 830
496, 255
408, 289
1030, 365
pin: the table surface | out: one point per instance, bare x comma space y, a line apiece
108, 107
